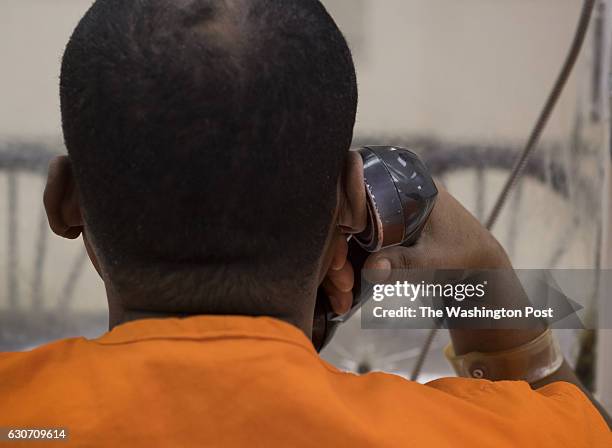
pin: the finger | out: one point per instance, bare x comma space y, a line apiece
396, 263
340, 301
379, 266
340, 253
343, 279
338, 286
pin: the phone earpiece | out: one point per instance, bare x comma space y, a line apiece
400, 196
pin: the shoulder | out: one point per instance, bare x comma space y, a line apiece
508, 412
21, 368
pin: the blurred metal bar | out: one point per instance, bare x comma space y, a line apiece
420, 362
39, 261
479, 210
549, 106
12, 242
564, 243
598, 55
67, 292
514, 225
603, 368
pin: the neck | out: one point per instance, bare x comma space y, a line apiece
119, 314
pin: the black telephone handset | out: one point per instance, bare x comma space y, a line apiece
400, 196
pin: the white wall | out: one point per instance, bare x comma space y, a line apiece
472, 70
33, 34
462, 69
468, 69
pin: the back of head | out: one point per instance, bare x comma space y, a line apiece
207, 137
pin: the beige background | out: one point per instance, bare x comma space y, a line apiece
460, 69
456, 70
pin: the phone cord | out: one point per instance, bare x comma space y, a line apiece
534, 137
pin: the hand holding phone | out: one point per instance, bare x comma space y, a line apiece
400, 196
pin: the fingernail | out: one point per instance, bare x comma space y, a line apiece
332, 302
380, 272
383, 264
335, 267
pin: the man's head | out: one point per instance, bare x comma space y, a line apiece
207, 139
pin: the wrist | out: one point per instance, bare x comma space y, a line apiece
532, 361
485, 341
504, 291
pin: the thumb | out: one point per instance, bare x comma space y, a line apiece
399, 264
380, 265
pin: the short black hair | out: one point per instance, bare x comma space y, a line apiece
207, 138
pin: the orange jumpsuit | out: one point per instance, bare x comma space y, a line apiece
229, 381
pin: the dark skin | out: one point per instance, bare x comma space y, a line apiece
66, 219
452, 239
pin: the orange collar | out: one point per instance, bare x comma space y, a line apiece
206, 327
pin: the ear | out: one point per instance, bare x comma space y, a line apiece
351, 215
61, 199
337, 274
352, 211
